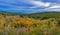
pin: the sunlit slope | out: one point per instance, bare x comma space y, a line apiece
16, 24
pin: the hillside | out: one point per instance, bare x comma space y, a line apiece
30, 24
44, 15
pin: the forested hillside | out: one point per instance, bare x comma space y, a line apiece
44, 15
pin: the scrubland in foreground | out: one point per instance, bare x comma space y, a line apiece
27, 25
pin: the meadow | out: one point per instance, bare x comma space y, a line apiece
46, 23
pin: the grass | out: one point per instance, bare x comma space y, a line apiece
30, 24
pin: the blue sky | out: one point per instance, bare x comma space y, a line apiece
29, 6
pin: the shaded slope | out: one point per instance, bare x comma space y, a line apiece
44, 14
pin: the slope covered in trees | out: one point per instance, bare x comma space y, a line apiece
44, 15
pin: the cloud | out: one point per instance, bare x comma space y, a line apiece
54, 7
39, 4
28, 5
51, 9
48, 6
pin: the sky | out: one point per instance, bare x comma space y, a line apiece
29, 6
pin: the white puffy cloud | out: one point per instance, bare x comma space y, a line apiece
39, 4
48, 5
54, 7
25, 5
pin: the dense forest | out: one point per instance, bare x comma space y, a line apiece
44, 15
42, 23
